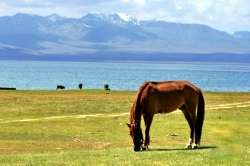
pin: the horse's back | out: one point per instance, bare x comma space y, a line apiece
168, 87
163, 97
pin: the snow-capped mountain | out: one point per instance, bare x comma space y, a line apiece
118, 32
55, 17
241, 34
115, 18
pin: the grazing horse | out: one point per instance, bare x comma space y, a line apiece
165, 97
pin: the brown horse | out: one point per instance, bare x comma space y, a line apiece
165, 97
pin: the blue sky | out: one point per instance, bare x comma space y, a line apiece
224, 15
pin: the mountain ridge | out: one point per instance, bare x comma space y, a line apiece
117, 32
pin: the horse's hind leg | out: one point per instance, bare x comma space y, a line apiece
191, 108
183, 108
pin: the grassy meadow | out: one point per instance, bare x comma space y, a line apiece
88, 127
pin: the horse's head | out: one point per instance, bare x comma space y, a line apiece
136, 134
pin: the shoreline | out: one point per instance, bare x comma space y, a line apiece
100, 90
129, 61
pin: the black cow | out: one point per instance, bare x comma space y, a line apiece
60, 87
80, 86
106, 87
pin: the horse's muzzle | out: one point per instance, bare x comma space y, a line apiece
137, 145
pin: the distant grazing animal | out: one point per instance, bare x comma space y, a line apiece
80, 86
106, 87
165, 97
60, 87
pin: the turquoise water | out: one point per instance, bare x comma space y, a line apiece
31, 75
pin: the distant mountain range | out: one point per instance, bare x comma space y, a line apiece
116, 37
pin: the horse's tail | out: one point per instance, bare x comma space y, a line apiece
200, 116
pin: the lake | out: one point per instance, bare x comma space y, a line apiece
46, 75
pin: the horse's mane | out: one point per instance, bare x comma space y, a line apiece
136, 111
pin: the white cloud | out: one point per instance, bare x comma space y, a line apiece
140, 2
124, 0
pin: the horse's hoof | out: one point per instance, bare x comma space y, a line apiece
195, 147
189, 146
137, 149
144, 148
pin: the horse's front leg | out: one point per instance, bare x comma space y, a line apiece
145, 145
148, 121
147, 139
190, 143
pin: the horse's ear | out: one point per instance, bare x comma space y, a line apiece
129, 125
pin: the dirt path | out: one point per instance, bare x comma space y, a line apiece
232, 105
63, 117
221, 106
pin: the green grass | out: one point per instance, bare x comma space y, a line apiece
57, 128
